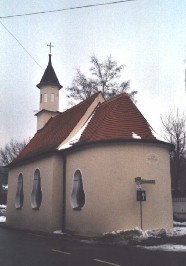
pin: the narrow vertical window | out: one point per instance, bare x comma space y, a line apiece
19, 193
36, 195
78, 194
52, 97
41, 98
45, 97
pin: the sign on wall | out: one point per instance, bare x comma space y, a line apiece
139, 180
141, 195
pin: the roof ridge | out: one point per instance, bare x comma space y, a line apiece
105, 115
78, 104
123, 94
118, 117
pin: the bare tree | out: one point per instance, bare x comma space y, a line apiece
174, 125
11, 151
104, 78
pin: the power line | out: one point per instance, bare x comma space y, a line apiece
20, 44
66, 9
53, 11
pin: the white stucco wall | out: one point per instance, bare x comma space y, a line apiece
108, 177
43, 117
49, 217
110, 191
51, 103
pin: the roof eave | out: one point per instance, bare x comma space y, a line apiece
41, 84
112, 141
29, 159
47, 111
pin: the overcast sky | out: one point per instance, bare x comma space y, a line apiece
148, 36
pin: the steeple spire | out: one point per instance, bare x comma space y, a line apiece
49, 94
49, 77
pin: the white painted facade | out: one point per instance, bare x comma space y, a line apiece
108, 172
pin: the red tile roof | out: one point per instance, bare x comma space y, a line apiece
117, 118
55, 131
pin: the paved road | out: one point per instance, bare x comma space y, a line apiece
26, 249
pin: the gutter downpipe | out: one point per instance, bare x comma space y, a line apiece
64, 196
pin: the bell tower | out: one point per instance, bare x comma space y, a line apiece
49, 94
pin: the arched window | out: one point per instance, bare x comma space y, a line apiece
36, 195
78, 194
19, 193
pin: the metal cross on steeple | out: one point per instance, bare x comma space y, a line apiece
50, 45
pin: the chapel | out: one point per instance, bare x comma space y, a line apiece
78, 173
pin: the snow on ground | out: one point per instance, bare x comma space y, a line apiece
166, 247
2, 206
58, 232
179, 223
177, 231
139, 235
2, 219
5, 187
135, 234
142, 238
2, 213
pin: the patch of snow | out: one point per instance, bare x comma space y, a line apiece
137, 233
89, 241
5, 187
2, 219
76, 137
178, 231
135, 136
156, 233
166, 247
179, 223
58, 232
2, 206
